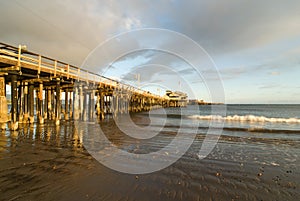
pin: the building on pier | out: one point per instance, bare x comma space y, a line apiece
176, 98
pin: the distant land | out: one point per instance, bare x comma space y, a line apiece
201, 102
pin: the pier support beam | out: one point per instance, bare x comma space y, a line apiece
80, 102
58, 104
20, 103
91, 105
66, 115
31, 102
45, 115
85, 109
40, 114
25, 117
107, 104
71, 105
3, 103
121, 103
100, 105
98, 111
14, 102
102, 114
49, 105
76, 114
127, 98
53, 114
116, 105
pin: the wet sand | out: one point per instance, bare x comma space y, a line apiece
49, 163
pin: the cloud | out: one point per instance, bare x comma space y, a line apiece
67, 30
247, 39
221, 27
78, 26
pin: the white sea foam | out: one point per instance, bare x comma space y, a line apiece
250, 118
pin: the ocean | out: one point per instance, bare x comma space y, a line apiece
248, 120
254, 155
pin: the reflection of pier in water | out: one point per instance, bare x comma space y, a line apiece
63, 136
38, 84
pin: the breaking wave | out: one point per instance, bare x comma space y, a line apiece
248, 118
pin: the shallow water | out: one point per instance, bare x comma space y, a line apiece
51, 163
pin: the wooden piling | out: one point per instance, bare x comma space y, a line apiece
58, 103
84, 109
3, 103
116, 105
102, 114
49, 105
31, 102
66, 115
20, 103
98, 104
14, 102
26, 103
45, 115
90, 104
71, 105
40, 113
76, 103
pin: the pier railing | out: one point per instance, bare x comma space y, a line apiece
20, 57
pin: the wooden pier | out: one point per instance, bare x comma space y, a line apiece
51, 90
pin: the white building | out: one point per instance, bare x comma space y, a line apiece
176, 99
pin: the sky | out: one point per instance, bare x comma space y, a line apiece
251, 48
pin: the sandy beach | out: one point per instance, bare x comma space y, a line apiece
48, 163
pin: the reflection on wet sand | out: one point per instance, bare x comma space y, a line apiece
50, 163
